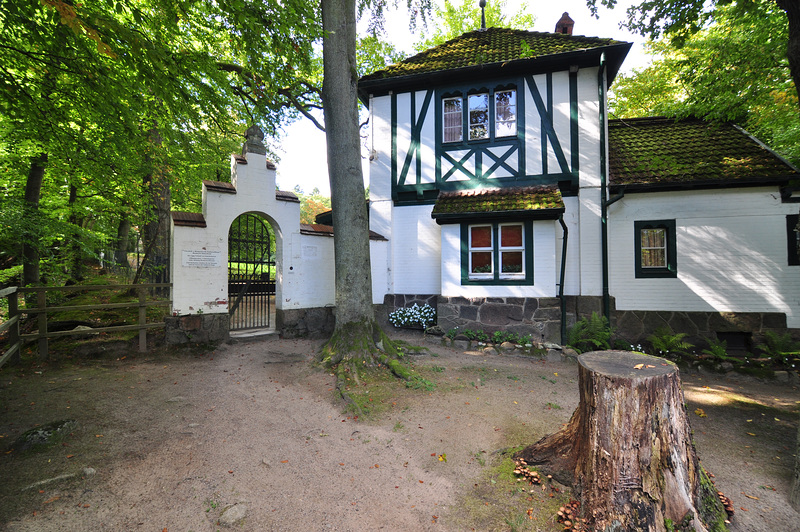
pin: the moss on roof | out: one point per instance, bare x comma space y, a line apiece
663, 151
498, 200
494, 45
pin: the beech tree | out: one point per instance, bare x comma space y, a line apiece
357, 341
680, 19
86, 88
735, 69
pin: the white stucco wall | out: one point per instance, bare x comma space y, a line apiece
205, 288
731, 253
416, 244
534, 159
589, 222
572, 284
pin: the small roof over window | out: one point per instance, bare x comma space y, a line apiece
520, 203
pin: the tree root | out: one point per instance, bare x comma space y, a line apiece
357, 347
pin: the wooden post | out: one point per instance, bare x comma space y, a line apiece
41, 302
142, 320
13, 333
627, 450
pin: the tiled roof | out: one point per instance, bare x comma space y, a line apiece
285, 195
327, 230
240, 159
494, 45
654, 153
188, 219
535, 202
219, 186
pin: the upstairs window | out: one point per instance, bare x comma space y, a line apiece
656, 249
452, 111
792, 240
485, 114
478, 116
505, 113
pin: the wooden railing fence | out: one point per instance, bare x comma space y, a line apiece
17, 340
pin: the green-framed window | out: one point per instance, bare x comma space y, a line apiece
497, 253
792, 240
479, 115
656, 249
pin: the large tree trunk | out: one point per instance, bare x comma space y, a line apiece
156, 229
357, 341
75, 251
792, 10
30, 241
122, 242
355, 315
627, 449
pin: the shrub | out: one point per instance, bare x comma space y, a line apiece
505, 336
592, 334
670, 345
780, 348
718, 350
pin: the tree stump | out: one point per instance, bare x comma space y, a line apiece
627, 450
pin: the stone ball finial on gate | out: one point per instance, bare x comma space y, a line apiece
254, 142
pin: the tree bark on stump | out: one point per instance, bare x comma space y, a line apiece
627, 449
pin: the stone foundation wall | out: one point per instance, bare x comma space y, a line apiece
541, 317
635, 326
197, 328
305, 323
538, 317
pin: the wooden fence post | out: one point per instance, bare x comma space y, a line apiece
13, 333
142, 320
41, 299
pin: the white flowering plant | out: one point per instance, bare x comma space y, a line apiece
424, 316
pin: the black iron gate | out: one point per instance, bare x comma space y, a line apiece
251, 273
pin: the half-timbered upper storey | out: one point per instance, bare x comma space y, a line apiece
492, 108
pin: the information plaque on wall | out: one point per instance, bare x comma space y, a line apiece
201, 258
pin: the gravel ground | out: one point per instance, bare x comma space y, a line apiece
251, 436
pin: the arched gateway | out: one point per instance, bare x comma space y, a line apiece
224, 252
251, 273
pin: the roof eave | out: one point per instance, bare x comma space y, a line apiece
522, 214
634, 188
590, 57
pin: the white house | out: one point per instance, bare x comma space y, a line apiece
510, 201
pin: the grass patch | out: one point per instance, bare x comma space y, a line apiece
377, 391
497, 502
409, 349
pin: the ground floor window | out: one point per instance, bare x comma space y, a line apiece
497, 252
656, 249
792, 240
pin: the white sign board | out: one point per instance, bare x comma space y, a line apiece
200, 258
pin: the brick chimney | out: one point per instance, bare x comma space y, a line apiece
564, 24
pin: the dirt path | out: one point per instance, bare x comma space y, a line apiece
184, 442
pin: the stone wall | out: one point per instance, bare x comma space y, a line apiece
541, 318
635, 326
305, 323
538, 317
197, 328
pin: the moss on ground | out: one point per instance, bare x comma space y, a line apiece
497, 501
